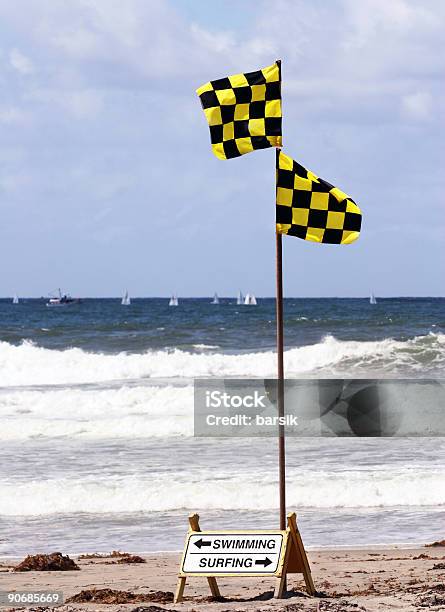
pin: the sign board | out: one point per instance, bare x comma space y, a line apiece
268, 552
228, 553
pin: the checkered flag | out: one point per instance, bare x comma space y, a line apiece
312, 209
243, 111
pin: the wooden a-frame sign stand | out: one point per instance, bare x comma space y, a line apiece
292, 560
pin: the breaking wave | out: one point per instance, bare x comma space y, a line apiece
125, 412
28, 364
384, 488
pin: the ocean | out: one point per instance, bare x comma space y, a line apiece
96, 440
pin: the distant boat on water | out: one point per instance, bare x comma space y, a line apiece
174, 300
126, 299
15, 299
250, 300
215, 299
372, 299
64, 299
240, 298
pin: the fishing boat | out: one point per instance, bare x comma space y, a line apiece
126, 299
63, 299
250, 300
15, 299
215, 299
240, 299
372, 299
173, 300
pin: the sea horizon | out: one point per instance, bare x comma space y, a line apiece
166, 296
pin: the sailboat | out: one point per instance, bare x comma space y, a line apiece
215, 299
15, 299
126, 299
240, 298
250, 300
173, 300
372, 299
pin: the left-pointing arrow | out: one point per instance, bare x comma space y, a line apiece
199, 543
264, 562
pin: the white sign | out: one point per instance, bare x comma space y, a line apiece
232, 553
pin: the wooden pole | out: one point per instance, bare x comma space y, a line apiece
280, 383
280, 369
280, 376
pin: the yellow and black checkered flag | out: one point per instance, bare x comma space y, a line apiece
243, 111
312, 209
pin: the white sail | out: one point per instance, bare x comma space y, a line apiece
215, 299
126, 299
173, 301
15, 299
372, 299
250, 300
240, 299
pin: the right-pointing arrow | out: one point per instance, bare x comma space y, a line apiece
264, 562
200, 543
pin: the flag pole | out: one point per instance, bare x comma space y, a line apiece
280, 382
280, 364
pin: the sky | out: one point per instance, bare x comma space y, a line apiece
108, 182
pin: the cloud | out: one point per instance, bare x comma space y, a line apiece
352, 53
79, 43
20, 62
121, 44
11, 184
82, 104
335, 50
417, 106
10, 115
219, 42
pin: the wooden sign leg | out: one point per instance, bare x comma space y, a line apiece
281, 584
214, 589
298, 543
180, 589
194, 526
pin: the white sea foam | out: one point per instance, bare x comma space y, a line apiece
346, 489
28, 364
165, 411
125, 412
205, 347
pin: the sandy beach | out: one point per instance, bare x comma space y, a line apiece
347, 580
